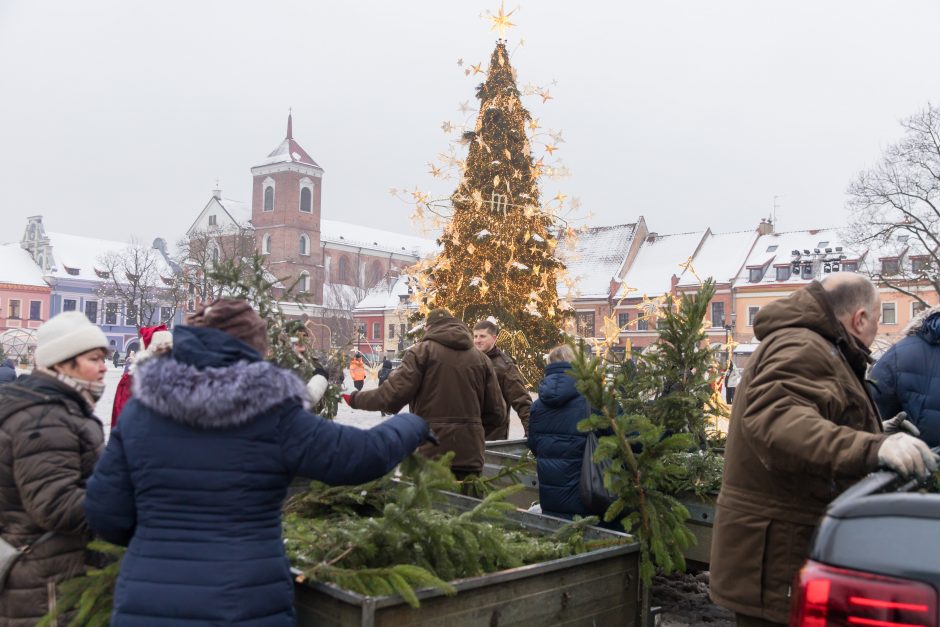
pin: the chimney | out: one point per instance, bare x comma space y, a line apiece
766, 227
217, 193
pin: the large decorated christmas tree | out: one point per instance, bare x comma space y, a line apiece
498, 256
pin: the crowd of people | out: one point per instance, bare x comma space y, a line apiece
196, 469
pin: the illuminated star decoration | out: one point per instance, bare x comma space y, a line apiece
477, 69
501, 21
465, 107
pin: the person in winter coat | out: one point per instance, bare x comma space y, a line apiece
194, 477
7, 371
554, 438
449, 383
385, 370
357, 371
802, 429
907, 377
513, 389
49, 443
156, 340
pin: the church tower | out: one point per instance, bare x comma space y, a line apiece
285, 212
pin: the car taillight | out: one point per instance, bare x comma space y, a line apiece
828, 596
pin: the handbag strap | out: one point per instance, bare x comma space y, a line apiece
27, 548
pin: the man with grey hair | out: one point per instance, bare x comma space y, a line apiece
803, 428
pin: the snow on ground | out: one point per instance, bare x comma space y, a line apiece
346, 415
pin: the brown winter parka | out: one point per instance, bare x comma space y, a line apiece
450, 384
515, 394
49, 443
803, 428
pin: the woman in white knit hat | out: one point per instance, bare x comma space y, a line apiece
49, 443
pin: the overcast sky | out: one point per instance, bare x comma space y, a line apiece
117, 117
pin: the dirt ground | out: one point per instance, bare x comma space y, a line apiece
684, 599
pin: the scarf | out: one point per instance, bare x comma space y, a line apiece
91, 391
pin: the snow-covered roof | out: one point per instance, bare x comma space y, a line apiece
289, 151
240, 211
77, 252
776, 249
720, 257
17, 266
332, 231
341, 296
595, 259
386, 295
659, 258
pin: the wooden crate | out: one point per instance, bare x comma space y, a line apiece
701, 511
596, 588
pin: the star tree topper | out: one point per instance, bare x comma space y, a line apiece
501, 21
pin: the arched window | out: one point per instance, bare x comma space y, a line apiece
375, 272
266, 244
342, 273
305, 200
215, 255
304, 244
269, 198
303, 285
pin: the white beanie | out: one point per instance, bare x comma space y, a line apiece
66, 335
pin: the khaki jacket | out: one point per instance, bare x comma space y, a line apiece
514, 392
803, 428
48, 448
449, 383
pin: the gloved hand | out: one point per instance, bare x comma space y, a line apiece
432, 438
316, 386
346, 398
907, 455
900, 423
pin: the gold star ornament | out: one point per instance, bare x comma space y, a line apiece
501, 21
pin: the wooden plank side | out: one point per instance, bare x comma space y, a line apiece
548, 599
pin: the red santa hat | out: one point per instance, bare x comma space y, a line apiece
156, 335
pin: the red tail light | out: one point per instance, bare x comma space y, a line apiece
827, 597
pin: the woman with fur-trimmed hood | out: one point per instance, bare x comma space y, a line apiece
194, 476
907, 377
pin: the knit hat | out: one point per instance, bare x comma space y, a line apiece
438, 314
235, 317
66, 335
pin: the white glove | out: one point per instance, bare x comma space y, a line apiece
900, 423
907, 455
316, 388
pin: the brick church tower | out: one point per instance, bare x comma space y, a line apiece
285, 212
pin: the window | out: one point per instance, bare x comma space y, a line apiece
304, 244
783, 273
375, 273
822, 245
918, 264
91, 311
215, 255
269, 198
890, 267
917, 307
212, 221
69, 304
266, 244
72, 271
343, 269
850, 266
304, 282
391, 331
642, 324
660, 324
191, 305
131, 316
771, 249
110, 313
751, 312
755, 275
376, 330
585, 323
807, 271
623, 319
14, 309
889, 313
718, 314
35, 310
305, 202
401, 331
166, 315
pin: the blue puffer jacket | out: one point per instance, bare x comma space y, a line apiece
556, 442
907, 377
194, 476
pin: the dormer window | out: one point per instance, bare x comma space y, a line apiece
72, 271
890, 267
102, 274
755, 274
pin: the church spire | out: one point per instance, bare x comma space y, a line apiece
290, 125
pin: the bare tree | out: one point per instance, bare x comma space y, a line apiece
206, 249
895, 207
140, 280
339, 302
